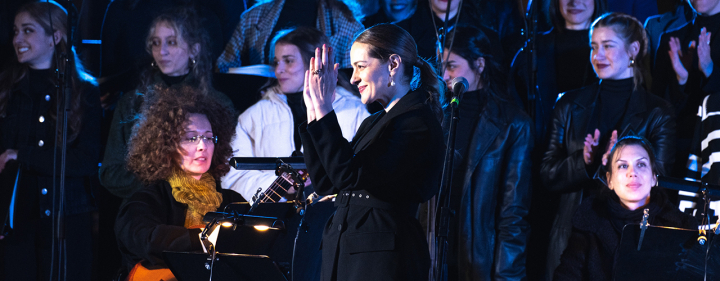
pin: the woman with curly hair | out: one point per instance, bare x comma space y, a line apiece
179, 46
179, 151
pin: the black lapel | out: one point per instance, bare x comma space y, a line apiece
406, 103
583, 109
486, 131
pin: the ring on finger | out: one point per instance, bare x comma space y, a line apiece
317, 72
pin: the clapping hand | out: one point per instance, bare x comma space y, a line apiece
320, 83
611, 144
679, 60
705, 62
591, 143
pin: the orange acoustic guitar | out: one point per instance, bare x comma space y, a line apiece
141, 273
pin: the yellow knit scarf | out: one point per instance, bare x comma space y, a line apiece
199, 195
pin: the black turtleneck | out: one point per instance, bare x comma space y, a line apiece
299, 113
572, 60
172, 80
613, 98
469, 111
619, 216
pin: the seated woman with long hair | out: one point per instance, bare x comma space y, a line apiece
180, 49
598, 223
179, 152
269, 127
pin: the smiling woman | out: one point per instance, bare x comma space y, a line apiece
383, 174
269, 127
29, 137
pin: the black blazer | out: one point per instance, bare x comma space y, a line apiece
392, 164
493, 186
563, 169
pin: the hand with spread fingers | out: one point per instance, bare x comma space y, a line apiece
320, 83
680, 60
705, 63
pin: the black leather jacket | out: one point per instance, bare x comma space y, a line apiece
494, 184
563, 168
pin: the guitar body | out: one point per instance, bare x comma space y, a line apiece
142, 273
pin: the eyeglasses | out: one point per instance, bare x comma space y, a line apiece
195, 139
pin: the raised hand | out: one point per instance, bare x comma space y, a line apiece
680, 60
705, 62
307, 96
611, 144
322, 81
591, 143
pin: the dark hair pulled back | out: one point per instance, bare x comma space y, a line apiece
388, 39
471, 43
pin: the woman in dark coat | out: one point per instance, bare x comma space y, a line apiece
587, 120
491, 185
179, 151
598, 223
29, 137
392, 164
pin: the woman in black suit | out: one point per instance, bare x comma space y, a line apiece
392, 164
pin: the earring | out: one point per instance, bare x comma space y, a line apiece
632, 62
153, 64
392, 82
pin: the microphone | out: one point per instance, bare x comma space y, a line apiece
459, 86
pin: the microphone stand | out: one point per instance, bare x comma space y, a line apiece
531, 21
444, 213
64, 90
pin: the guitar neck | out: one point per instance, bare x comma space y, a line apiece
277, 189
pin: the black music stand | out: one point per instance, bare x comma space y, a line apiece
227, 267
666, 253
307, 250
